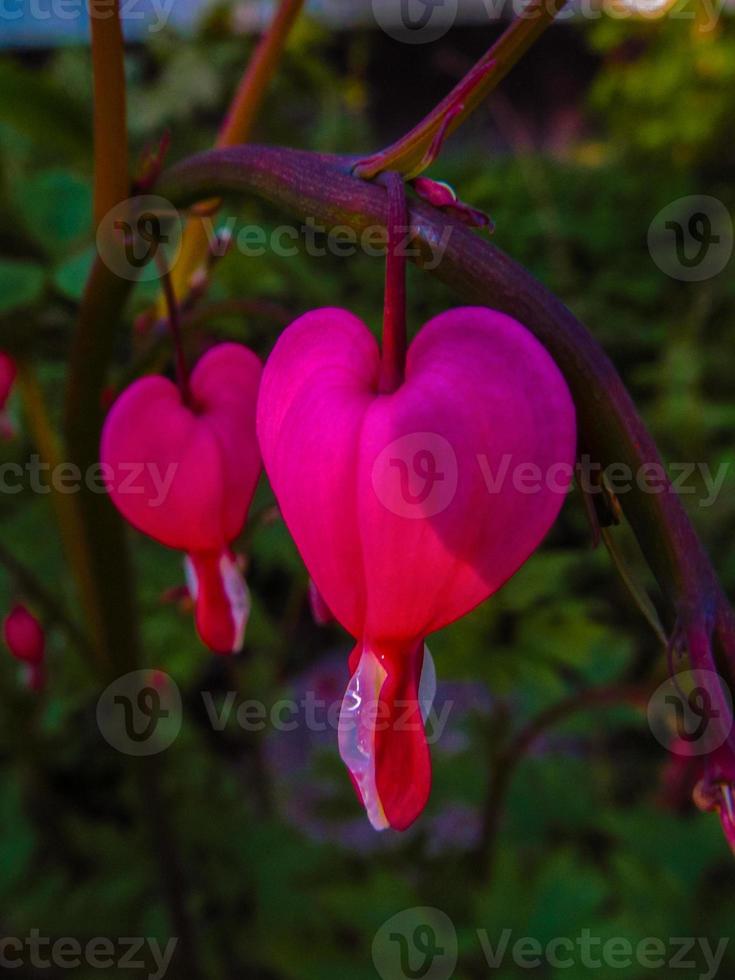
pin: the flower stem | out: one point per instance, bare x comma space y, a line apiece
111, 176
236, 128
102, 534
174, 322
414, 152
393, 358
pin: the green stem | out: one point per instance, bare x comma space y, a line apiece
102, 532
414, 152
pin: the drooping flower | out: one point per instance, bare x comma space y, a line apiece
184, 471
8, 372
410, 507
25, 638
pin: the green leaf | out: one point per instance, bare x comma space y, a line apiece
56, 207
21, 284
71, 275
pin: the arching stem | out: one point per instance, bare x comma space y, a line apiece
393, 359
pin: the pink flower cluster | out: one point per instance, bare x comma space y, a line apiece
381, 493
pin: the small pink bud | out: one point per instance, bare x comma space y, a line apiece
24, 635
25, 638
443, 196
8, 372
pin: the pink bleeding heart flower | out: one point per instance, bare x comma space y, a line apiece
8, 372
410, 508
185, 474
26, 640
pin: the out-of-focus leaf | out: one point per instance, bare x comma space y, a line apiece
21, 284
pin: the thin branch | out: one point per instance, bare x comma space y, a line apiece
512, 755
111, 176
65, 505
414, 152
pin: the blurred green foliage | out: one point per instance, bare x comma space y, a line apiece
281, 881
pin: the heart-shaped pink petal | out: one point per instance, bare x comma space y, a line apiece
411, 508
185, 475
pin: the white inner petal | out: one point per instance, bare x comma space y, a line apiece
356, 734
238, 595
357, 720
192, 582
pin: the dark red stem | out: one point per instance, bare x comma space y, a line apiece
393, 359
174, 323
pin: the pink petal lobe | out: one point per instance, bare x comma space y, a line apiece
225, 384
221, 599
163, 467
186, 476
445, 517
316, 389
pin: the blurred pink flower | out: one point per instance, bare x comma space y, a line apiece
25, 638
